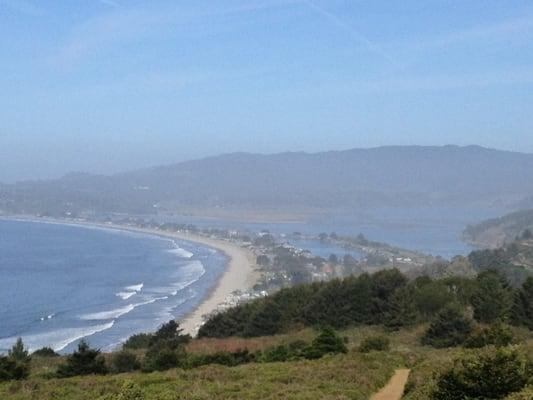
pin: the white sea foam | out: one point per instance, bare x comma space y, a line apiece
125, 295
135, 288
180, 251
189, 274
58, 339
112, 314
118, 312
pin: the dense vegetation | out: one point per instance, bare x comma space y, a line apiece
387, 298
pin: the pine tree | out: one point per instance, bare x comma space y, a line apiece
19, 353
492, 300
522, 311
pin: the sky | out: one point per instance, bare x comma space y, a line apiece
111, 85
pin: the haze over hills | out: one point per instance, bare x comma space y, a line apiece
384, 176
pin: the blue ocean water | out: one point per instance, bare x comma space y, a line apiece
431, 230
61, 283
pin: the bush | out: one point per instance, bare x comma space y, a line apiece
161, 357
124, 361
11, 369
16, 365
374, 343
526, 394
229, 359
45, 352
449, 328
129, 391
327, 342
486, 374
498, 335
84, 361
138, 341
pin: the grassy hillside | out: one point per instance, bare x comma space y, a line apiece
354, 375
350, 376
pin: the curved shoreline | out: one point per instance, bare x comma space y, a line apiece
239, 273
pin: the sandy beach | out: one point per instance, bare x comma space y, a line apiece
240, 273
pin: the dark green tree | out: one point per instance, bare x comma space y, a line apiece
402, 310
19, 353
84, 361
492, 299
522, 309
327, 342
449, 328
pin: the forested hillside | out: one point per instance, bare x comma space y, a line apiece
385, 176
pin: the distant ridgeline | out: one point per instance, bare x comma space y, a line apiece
385, 176
497, 231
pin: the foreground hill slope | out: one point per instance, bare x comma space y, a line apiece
387, 176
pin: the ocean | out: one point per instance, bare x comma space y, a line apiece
61, 283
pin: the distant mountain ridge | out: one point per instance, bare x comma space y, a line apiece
383, 176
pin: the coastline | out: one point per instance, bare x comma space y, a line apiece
239, 273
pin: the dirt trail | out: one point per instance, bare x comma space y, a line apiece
394, 389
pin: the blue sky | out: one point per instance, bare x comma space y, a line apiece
112, 85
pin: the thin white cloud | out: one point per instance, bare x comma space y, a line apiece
356, 35
127, 24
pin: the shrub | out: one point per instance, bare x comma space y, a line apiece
124, 361
449, 328
138, 341
16, 365
526, 394
229, 359
374, 343
129, 391
497, 335
327, 342
486, 374
11, 369
161, 357
84, 361
45, 352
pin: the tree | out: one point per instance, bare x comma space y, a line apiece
487, 374
84, 361
45, 352
171, 334
522, 309
327, 342
449, 328
12, 370
527, 235
492, 299
124, 361
402, 310
431, 297
19, 353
